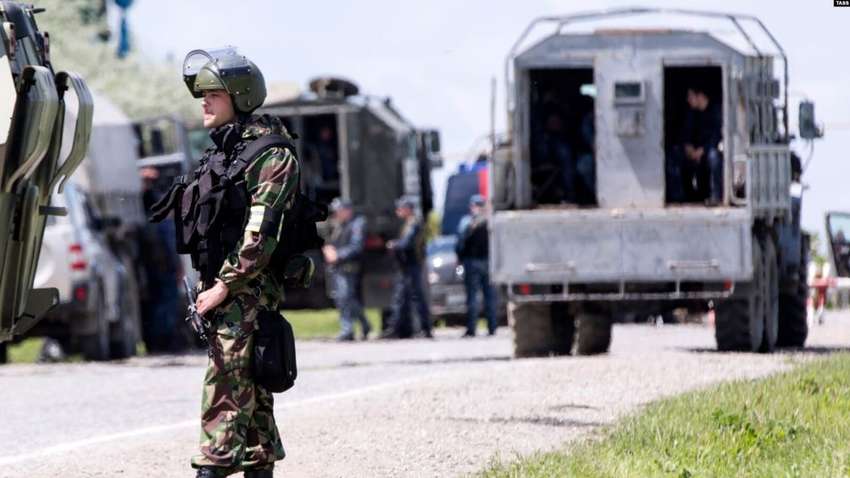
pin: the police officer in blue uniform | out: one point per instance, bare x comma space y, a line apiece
473, 252
409, 293
344, 254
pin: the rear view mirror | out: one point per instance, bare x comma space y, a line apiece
808, 128
434, 141
838, 234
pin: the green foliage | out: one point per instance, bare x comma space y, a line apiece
26, 351
324, 323
815, 248
790, 425
432, 225
140, 87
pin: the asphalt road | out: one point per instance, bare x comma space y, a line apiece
412, 408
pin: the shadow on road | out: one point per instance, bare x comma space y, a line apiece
536, 420
816, 350
430, 361
572, 406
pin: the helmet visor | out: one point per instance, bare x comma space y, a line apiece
224, 62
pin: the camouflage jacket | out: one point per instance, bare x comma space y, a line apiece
272, 182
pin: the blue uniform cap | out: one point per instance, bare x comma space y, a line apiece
405, 201
340, 203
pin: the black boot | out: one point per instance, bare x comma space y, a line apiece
265, 473
210, 472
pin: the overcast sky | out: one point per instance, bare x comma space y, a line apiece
435, 58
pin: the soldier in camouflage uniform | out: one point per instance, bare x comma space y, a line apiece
238, 430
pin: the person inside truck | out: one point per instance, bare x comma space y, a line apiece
585, 162
326, 151
696, 170
322, 158
563, 166
554, 171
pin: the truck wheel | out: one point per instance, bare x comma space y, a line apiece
742, 321
793, 325
593, 335
4, 354
96, 346
533, 331
563, 329
771, 295
124, 334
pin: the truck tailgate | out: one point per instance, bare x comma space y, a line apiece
603, 245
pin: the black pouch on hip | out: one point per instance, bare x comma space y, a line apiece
273, 362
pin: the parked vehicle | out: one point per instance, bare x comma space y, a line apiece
446, 290
576, 249
97, 312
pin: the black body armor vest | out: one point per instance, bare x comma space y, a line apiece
211, 209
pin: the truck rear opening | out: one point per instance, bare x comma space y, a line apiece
320, 156
563, 144
563, 169
687, 181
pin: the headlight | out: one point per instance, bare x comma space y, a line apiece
459, 271
433, 277
437, 262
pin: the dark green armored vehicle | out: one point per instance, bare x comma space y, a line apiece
33, 161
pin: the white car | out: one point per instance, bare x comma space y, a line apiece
98, 310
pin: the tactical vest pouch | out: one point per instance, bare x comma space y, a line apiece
298, 272
274, 365
299, 234
172, 202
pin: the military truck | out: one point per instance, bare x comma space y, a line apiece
34, 164
359, 148
576, 250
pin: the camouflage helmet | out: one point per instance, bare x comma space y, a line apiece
225, 69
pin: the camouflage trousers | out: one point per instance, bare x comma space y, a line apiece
238, 429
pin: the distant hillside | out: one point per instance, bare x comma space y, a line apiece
137, 85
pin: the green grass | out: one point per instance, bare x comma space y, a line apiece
26, 351
307, 324
324, 324
795, 424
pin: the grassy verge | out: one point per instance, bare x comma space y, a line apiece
26, 351
324, 324
308, 324
793, 424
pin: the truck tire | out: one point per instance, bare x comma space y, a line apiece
563, 329
593, 334
4, 354
124, 334
771, 294
749, 320
793, 316
533, 331
96, 346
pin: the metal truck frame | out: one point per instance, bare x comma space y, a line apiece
570, 271
32, 115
